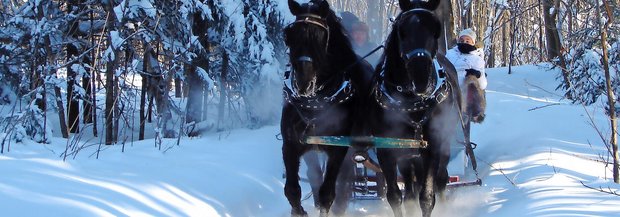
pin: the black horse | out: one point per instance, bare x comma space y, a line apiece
321, 93
415, 99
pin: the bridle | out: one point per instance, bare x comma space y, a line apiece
417, 103
407, 55
311, 19
342, 94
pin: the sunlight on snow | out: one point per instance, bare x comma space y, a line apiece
181, 200
555, 160
123, 190
527, 97
265, 185
31, 196
53, 163
566, 194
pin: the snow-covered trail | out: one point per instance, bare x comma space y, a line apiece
533, 151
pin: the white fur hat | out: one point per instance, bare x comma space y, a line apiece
468, 32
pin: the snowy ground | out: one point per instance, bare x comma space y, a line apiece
534, 151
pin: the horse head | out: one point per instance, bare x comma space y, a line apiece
411, 48
308, 41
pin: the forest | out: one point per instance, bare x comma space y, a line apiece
128, 70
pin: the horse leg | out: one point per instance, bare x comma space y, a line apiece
292, 190
344, 185
327, 193
427, 191
314, 174
406, 171
405, 167
393, 194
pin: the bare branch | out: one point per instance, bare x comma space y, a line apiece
600, 189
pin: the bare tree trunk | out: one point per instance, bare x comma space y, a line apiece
178, 90
205, 101
61, 108
505, 38
513, 37
223, 88
149, 108
109, 103
93, 81
194, 98
117, 106
109, 84
494, 18
375, 20
553, 37
73, 103
87, 106
38, 76
61, 113
45, 63
610, 92
466, 19
93, 98
195, 84
143, 95
159, 90
552, 34
444, 12
541, 33
86, 84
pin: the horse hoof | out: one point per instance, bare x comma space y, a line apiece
324, 213
299, 213
478, 118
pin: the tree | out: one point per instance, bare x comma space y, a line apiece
73, 104
196, 70
554, 47
111, 61
603, 28
444, 12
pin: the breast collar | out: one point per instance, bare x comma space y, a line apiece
389, 102
343, 94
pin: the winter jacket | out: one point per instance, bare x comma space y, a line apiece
463, 61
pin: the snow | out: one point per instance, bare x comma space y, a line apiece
534, 151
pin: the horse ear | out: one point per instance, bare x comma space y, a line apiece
438, 29
405, 5
294, 7
431, 5
324, 8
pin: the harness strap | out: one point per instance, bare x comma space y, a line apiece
343, 94
387, 101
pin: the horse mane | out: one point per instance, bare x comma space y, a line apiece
340, 50
390, 53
